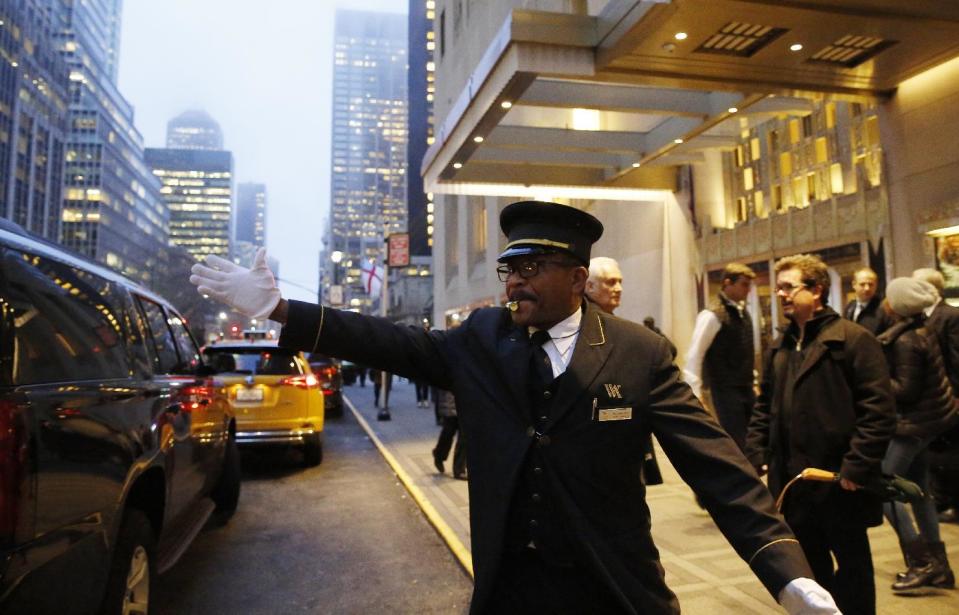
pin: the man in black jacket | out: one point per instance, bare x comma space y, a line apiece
826, 403
865, 309
555, 398
943, 320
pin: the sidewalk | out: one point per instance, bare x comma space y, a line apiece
701, 567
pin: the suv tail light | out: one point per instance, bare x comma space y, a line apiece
13, 455
325, 372
303, 381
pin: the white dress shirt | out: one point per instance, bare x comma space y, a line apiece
563, 336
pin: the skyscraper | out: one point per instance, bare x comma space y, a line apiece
369, 141
198, 190
251, 213
194, 129
33, 115
421, 88
112, 209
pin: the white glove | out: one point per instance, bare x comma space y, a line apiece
249, 291
804, 596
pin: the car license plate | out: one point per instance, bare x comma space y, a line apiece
249, 394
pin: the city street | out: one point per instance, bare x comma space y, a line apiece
343, 537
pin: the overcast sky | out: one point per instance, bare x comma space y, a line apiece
263, 70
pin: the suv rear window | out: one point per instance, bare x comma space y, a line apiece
61, 323
262, 361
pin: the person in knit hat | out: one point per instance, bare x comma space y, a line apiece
924, 408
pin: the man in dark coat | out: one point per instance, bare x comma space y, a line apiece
555, 398
825, 402
865, 310
942, 320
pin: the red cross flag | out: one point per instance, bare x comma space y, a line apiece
372, 276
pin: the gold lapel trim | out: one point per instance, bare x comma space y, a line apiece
602, 333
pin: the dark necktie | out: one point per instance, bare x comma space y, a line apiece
541, 362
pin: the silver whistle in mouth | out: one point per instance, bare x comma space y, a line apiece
512, 306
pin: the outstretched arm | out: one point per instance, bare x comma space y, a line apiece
376, 342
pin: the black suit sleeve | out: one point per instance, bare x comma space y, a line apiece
711, 463
406, 351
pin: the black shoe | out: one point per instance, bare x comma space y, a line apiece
438, 463
949, 515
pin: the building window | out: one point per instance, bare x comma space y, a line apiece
442, 33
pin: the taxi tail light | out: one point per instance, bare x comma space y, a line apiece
194, 396
303, 381
13, 456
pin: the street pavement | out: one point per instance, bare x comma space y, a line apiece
701, 567
342, 537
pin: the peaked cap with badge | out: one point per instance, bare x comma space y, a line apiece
540, 227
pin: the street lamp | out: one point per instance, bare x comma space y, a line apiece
336, 291
336, 256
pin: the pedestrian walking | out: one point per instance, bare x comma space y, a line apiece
825, 402
721, 357
377, 379
865, 309
554, 397
925, 407
604, 287
447, 410
943, 320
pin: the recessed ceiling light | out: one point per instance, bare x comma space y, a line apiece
478, 139
681, 36
733, 109
635, 165
795, 47
506, 104
677, 141
457, 165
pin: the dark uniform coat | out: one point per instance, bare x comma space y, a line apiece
592, 465
836, 413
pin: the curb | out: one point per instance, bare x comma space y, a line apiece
459, 550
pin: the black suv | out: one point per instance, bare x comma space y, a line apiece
116, 444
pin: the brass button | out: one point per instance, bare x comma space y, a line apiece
543, 419
533, 523
537, 470
536, 497
547, 394
543, 441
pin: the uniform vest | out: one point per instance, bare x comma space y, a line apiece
729, 360
534, 516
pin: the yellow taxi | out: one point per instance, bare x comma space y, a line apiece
275, 395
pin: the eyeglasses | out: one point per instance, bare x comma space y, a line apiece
789, 290
528, 269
